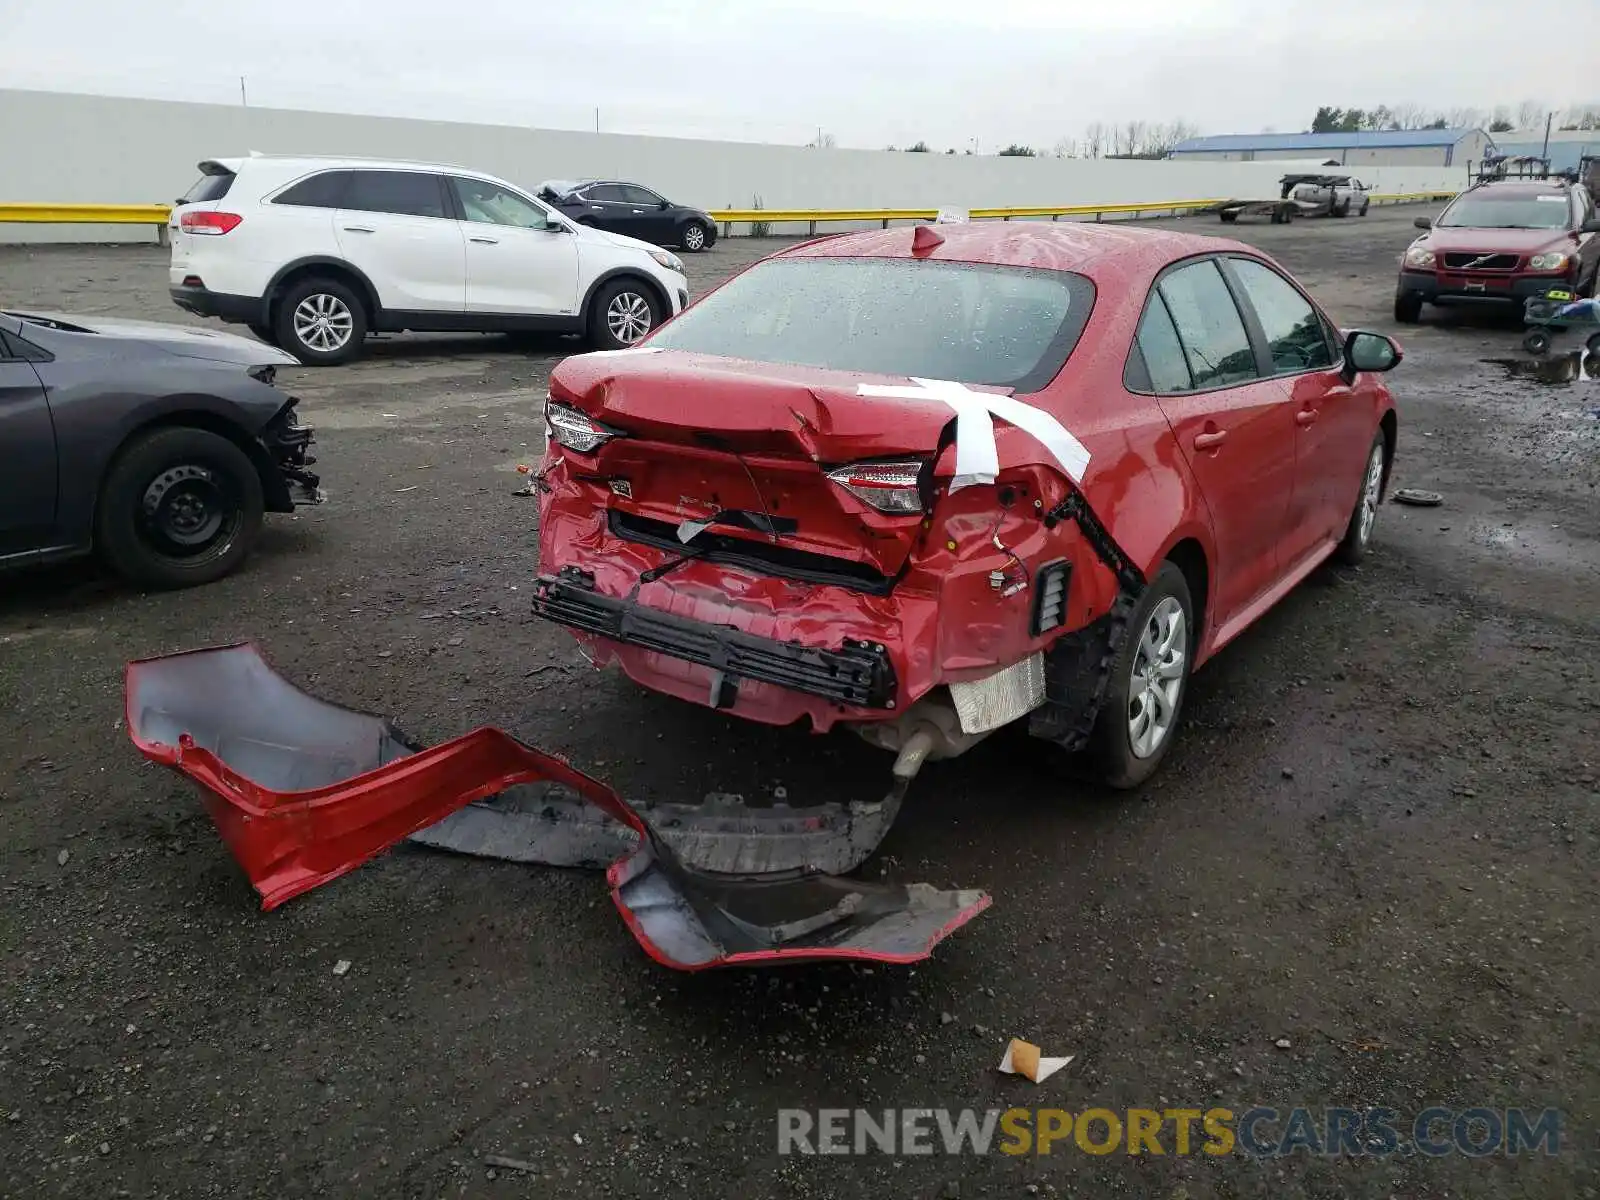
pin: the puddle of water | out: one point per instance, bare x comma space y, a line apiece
1573, 367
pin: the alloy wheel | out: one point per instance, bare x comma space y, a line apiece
323, 322
628, 317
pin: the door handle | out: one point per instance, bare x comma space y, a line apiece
1306, 416
485, 241
359, 229
637, 211
1210, 440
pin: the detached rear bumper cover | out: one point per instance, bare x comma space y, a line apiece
303, 791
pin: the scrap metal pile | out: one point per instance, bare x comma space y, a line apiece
303, 791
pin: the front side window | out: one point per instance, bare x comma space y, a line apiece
403, 193
491, 204
1296, 337
1215, 344
640, 196
1506, 212
976, 324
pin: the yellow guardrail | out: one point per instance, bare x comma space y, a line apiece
157, 214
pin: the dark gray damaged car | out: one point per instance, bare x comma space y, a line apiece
158, 447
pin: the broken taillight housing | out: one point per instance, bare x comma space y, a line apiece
574, 429
889, 487
208, 224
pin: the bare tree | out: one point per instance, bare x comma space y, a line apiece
1066, 148
1160, 140
1530, 115
1410, 116
1129, 138
1095, 138
1464, 118
823, 141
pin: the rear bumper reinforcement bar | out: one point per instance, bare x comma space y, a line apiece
858, 673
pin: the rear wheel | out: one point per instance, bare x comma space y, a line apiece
1408, 308
1536, 341
1358, 532
321, 322
1149, 677
179, 507
1229, 218
623, 311
1593, 344
1341, 210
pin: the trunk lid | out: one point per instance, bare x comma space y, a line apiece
752, 442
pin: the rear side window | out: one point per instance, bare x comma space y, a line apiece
209, 187
1158, 344
603, 193
1215, 344
320, 191
404, 193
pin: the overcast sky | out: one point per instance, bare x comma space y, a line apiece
948, 71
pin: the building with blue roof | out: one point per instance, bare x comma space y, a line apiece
1369, 147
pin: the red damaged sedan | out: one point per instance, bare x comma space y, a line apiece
928, 481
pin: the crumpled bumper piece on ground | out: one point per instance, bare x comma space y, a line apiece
303, 791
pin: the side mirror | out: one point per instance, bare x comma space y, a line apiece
665, 204
1423, 222
1592, 225
1370, 353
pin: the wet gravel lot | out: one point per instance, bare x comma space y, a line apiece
1365, 878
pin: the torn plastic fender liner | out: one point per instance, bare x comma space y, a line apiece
303, 791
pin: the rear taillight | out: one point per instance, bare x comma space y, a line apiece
890, 487
573, 428
209, 224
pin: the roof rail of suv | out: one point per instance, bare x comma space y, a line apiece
362, 160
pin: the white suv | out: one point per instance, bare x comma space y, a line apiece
313, 254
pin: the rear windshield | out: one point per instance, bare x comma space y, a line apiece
1506, 212
980, 324
208, 187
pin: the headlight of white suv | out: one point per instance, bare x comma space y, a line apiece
1553, 261
667, 259
1420, 257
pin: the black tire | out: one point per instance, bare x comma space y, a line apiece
1358, 531
1365, 204
1111, 744
696, 237
1339, 210
1408, 308
344, 309
1593, 344
1290, 212
265, 333
1277, 216
179, 507
630, 294
1229, 218
1536, 341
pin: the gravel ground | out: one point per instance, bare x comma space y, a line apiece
1365, 878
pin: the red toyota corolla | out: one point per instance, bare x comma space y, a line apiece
928, 481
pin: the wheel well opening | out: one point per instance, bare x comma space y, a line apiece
325, 271
1190, 558
649, 285
1390, 427
273, 489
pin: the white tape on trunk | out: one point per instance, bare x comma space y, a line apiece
977, 458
